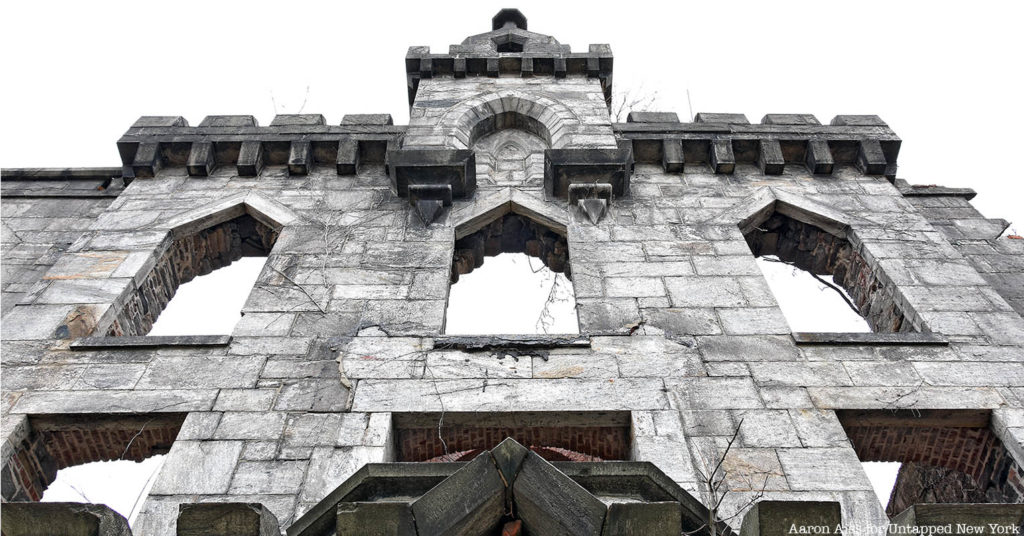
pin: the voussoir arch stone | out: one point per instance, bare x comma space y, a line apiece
478, 116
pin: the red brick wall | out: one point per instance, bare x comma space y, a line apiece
957, 463
56, 442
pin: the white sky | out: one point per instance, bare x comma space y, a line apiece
210, 304
122, 485
944, 75
522, 285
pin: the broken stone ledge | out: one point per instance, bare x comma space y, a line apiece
870, 339
113, 343
492, 342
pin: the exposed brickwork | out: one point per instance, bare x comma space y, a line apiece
574, 443
56, 442
941, 463
814, 250
511, 234
188, 257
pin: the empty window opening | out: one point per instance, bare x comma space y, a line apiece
510, 46
210, 304
103, 459
883, 478
842, 272
809, 303
188, 257
941, 456
524, 289
121, 484
563, 436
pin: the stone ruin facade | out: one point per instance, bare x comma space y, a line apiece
340, 373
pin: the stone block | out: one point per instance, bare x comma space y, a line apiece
198, 467
148, 160
367, 119
858, 121
981, 519
721, 157
229, 121
732, 119
526, 67
819, 157
549, 502
456, 168
870, 158
823, 469
226, 519
300, 157
297, 120
769, 157
63, 518
283, 477
157, 121
563, 167
654, 519
374, 519
652, 117
789, 119
672, 160
471, 501
348, 155
201, 159
250, 159
777, 518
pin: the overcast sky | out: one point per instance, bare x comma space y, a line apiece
945, 76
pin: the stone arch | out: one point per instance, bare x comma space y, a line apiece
537, 230
478, 116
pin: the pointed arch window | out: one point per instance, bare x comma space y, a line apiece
815, 271
228, 243
525, 289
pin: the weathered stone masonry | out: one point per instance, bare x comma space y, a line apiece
366, 224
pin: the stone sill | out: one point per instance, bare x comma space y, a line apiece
487, 342
870, 339
128, 343
71, 194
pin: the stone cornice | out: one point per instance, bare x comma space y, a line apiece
723, 140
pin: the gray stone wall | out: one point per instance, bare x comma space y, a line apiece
36, 230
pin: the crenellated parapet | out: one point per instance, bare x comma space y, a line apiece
298, 141
723, 140
509, 50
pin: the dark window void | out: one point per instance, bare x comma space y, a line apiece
526, 292
54, 442
580, 436
818, 252
946, 456
510, 47
187, 258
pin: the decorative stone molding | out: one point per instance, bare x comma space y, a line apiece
509, 50
298, 141
473, 498
722, 140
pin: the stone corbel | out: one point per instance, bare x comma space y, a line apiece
590, 199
